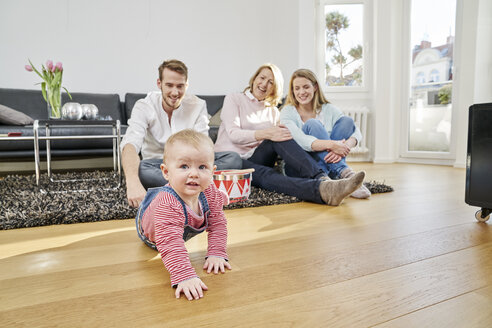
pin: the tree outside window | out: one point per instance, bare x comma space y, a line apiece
344, 51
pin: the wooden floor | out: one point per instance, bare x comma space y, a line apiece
415, 257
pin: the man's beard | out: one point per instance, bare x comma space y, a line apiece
175, 105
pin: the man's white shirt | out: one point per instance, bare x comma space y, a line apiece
149, 128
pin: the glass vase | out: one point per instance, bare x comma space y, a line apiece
54, 103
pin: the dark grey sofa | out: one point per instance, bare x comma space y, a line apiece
32, 103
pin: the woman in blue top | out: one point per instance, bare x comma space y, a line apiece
320, 128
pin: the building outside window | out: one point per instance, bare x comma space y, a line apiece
430, 107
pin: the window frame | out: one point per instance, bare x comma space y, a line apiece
366, 50
419, 156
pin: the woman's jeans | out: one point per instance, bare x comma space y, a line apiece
344, 127
150, 173
304, 186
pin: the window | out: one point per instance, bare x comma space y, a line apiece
342, 37
429, 60
434, 76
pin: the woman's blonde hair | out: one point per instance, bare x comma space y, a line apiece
278, 83
318, 98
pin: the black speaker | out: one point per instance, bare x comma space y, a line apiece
479, 160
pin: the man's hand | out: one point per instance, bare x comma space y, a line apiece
191, 288
216, 264
135, 193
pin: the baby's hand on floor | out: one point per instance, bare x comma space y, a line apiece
216, 264
191, 288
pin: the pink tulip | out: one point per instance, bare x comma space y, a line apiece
49, 65
28, 68
59, 66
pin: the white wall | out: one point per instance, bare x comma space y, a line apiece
464, 74
115, 46
387, 80
483, 66
307, 35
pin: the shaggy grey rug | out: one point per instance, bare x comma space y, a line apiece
23, 205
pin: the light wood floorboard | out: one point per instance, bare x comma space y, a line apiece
415, 257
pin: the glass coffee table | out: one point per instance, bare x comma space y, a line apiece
49, 124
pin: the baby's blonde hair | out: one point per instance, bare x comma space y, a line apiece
190, 137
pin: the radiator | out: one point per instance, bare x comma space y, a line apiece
359, 114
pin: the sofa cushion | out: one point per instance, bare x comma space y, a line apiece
214, 108
30, 102
215, 119
130, 100
9, 116
214, 103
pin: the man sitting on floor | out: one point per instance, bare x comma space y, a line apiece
152, 122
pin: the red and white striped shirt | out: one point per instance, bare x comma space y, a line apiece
164, 221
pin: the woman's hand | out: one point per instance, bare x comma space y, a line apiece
339, 147
275, 133
280, 133
331, 157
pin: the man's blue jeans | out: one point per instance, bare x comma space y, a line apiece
304, 186
150, 173
342, 129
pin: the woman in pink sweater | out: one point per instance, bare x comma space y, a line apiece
250, 127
